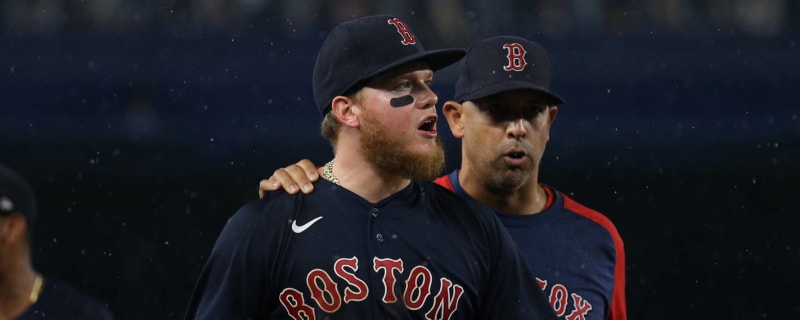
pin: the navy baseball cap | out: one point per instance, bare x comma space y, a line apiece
356, 51
504, 63
16, 195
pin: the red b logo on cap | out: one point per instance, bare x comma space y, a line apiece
516, 57
404, 31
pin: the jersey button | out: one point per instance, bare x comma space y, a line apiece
379, 237
374, 212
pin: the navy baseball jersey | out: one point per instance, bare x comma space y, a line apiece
59, 300
575, 252
422, 253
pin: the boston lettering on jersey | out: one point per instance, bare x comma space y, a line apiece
416, 286
422, 253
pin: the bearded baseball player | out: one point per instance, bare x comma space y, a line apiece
371, 243
503, 111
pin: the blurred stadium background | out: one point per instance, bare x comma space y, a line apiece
143, 125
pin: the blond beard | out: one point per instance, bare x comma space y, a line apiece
391, 155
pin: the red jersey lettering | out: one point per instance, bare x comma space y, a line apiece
446, 302
295, 305
582, 307
418, 287
323, 290
357, 289
389, 266
558, 299
416, 290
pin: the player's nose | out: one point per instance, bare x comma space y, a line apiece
427, 98
516, 129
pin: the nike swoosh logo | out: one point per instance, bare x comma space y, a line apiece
301, 228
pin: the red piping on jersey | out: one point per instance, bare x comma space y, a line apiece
618, 309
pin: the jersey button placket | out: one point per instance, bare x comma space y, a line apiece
375, 213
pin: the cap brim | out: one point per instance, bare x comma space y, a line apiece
436, 59
508, 86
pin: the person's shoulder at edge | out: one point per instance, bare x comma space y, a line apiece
275, 210
61, 300
618, 307
272, 205
579, 208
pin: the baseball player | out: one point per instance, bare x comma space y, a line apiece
25, 294
370, 243
502, 112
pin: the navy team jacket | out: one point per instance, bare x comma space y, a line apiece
422, 253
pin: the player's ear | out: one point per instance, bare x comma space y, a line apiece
552, 112
345, 109
453, 112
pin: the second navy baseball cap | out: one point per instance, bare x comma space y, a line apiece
358, 50
504, 63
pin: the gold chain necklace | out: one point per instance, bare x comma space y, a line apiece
327, 173
36, 289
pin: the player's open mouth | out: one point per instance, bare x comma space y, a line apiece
516, 154
428, 126
516, 157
